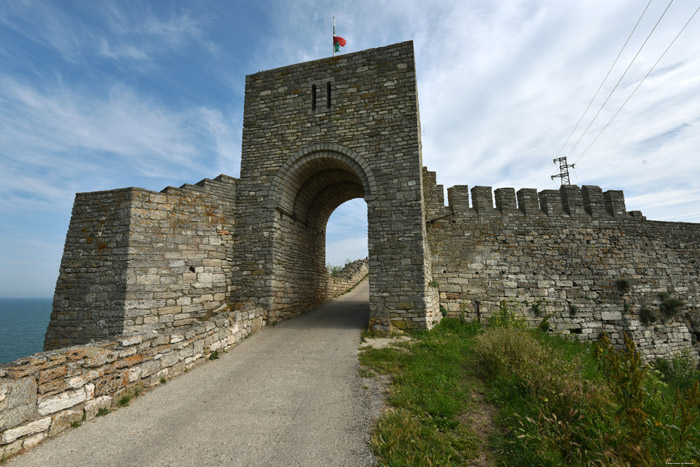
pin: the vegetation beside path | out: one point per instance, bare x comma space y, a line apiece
500, 394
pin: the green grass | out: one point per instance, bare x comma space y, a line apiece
124, 401
430, 391
558, 401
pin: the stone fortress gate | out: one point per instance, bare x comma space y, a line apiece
315, 135
320, 133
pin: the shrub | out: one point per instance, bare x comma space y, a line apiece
623, 284
647, 316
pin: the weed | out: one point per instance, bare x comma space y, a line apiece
163, 381
537, 308
214, 355
544, 325
573, 309
433, 284
623, 284
670, 306
75, 424
124, 401
443, 311
681, 371
506, 317
102, 412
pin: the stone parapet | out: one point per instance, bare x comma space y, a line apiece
47, 393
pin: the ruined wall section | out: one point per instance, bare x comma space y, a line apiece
137, 260
559, 255
180, 248
91, 287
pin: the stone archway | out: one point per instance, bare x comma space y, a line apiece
318, 134
305, 192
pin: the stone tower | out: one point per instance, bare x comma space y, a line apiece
318, 134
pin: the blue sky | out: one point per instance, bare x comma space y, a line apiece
100, 95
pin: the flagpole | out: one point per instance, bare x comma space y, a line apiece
333, 36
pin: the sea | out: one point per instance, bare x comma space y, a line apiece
23, 323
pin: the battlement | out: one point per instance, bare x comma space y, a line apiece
221, 182
569, 200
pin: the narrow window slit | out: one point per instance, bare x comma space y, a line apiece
328, 94
313, 97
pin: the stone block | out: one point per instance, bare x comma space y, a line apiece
62, 421
53, 404
12, 434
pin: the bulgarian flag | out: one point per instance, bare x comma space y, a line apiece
338, 41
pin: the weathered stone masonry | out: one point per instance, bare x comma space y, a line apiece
318, 134
137, 260
559, 253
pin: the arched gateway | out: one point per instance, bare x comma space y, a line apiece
315, 135
318, 134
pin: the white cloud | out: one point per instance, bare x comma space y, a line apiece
59, 140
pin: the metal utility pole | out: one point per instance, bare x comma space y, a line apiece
563, 170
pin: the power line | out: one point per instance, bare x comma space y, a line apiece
604, 79
640, 83
620, 80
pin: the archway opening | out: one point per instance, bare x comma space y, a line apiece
307, 194
346, 234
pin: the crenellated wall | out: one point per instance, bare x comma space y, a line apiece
558, 254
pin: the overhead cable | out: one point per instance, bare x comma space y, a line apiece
620, 80
640, 83
604, 79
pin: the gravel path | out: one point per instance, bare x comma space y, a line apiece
289, 395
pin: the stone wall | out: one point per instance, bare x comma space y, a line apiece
574, 256
137, 260
89, 301
347, 278
41, 395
